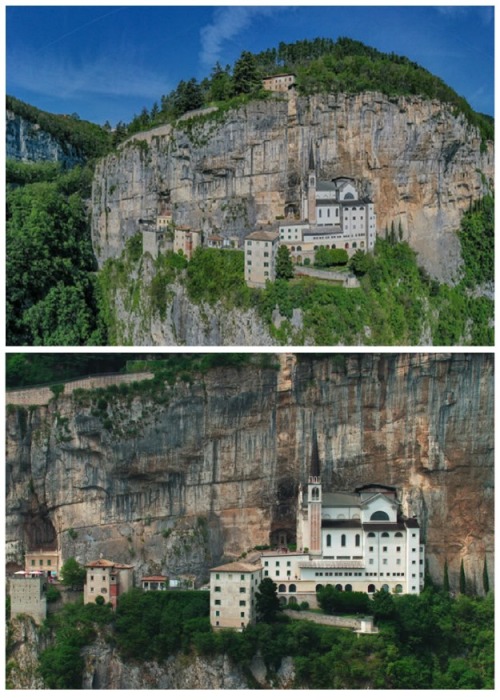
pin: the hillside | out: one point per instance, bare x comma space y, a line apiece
410, 143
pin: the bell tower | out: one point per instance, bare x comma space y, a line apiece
314, 499
311, 188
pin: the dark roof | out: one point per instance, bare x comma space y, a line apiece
380, 527
329, 524
370, 487
411, 522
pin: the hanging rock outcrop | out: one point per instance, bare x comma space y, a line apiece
421, 164
210, 469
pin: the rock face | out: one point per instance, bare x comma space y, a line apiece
26, 141
212, 469
421, 165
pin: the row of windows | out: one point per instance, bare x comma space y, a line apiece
385, 534
230, 576
242, 603
40, 562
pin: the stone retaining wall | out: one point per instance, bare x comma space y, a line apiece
358, 624
41, 396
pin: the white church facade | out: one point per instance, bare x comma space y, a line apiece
355, 541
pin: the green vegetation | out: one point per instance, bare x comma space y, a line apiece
333, 601
330, 258
61, 664
89, 140
476, 236
321, 66
51, 298
284, 264
154, 625
267, 603
429, 641
217, 275
72, 573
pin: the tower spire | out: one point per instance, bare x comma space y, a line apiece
314, 467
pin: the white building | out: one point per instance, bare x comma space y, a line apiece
261, 248
232, 594
355, 541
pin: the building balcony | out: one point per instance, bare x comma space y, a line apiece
332, 564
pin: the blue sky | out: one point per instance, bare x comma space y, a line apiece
108, 62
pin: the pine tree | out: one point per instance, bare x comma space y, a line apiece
284, 265
446, 580
486, 579
462, 584
245, 74
267, 603
400, 231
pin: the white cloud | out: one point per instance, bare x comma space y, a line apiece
228, 22
66, 78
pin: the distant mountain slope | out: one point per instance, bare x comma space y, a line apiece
34, 135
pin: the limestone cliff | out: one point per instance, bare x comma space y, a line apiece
421, 164
26, 141
212, 467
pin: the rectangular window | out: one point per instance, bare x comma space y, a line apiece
41, 562
398, 561
266, 264
288, 573
32, 562
242, 614
91, 578
370, 561
217, 589
384, 561
289, 563
242, 577
217, 576
217, 613
266, 255
243, 603
243, 589
384, 549
370, 549
398, 549
49, 562
217, 602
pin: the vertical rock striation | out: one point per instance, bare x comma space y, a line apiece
211, 470
421, 164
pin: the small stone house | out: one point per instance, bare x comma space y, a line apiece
107, 579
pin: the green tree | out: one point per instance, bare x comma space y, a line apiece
267, 603
462, 581
246, 76
284, 264
446, 580
486, 578
72, 573
360, 263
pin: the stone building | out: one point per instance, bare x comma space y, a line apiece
186, 240
107, 579
261, 248
232, 594
279, 83
47, 561
27, 596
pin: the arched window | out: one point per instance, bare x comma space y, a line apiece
347, 246
348, 587
371, 534
315, 494
371, 588
384, 534
282, 599
282, 588
328, 540
342, 540
398, 588
385, 588
338, 587
379, 515
398, 534
299, 247
357, 540
319, 587
334, 246
292, 599
292, 588
354, 245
